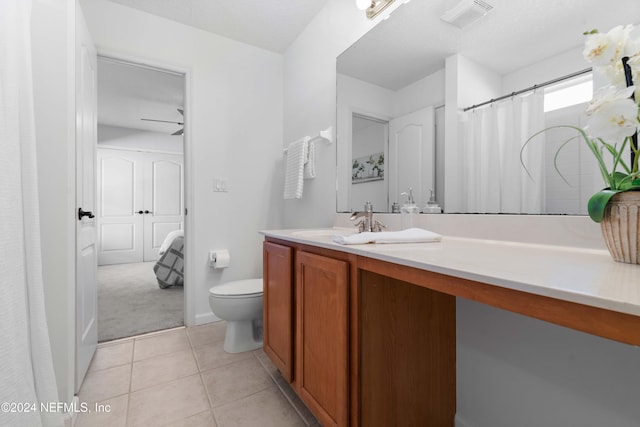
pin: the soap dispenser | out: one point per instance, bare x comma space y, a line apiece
409, 211
432, 206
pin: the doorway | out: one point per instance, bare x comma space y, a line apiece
140, 199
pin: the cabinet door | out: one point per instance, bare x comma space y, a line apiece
321, 336
278, 306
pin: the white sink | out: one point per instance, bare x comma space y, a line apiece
323, 232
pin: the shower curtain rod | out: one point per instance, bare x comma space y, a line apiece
529, 89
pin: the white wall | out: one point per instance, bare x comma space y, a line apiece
126, 138
564, 375
518, 371
234, 131
553, 67
425, 92
52, 35
310, 102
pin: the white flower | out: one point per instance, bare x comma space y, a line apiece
614, 74
612, 115
634, 63
606, 49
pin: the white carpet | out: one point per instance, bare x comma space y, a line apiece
131, 303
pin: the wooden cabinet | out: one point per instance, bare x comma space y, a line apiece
322, 289
367, 342
278, 306
359, 346
306, 327
407, 354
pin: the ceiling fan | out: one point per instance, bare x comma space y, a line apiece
179, 131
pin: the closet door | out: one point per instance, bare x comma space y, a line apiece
163, 200
120, 201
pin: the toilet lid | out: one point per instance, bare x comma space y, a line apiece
239, 287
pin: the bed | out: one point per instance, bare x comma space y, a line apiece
169, 268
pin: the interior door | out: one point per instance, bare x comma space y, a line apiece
163, 200
120, 206
411, 156
86, 254
141, 200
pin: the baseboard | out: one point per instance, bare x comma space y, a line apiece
204, 318
460, 422
71, 416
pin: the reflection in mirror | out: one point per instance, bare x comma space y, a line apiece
415, 62
369, 183
409, 144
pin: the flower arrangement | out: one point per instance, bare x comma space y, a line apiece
612, 114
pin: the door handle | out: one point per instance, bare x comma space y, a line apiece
148, 212
82, 213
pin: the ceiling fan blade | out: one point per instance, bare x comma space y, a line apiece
163, 121
178, 132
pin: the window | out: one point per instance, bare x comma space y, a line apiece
568, 93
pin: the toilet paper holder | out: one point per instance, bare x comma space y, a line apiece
219, 258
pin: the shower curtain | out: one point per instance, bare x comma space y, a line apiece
26, 367
494, 179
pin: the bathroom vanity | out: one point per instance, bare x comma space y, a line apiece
366, 334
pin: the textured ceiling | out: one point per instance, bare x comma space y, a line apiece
414, 42
269, 24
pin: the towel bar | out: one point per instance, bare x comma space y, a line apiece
324, 135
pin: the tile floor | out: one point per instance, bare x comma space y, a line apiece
183, 377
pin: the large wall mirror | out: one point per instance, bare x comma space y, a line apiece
403, 96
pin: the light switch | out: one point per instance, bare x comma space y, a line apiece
220, 185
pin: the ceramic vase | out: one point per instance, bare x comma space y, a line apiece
621, 227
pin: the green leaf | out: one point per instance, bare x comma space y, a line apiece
598, 202
621, 181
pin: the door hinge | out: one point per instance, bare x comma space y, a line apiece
185, 211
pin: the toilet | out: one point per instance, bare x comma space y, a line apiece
240, 304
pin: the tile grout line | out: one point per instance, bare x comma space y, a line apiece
133, 352
274, 377
204, 386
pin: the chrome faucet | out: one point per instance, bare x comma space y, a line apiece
367, 223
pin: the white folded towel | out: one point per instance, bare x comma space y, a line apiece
411, 235
310, 164
293, 179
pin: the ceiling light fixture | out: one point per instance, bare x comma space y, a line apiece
373, 7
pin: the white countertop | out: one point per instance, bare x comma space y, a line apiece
584, 276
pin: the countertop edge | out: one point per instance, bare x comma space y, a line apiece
383, 252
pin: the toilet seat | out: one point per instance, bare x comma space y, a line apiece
238, 289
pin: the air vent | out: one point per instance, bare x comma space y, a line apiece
466, 12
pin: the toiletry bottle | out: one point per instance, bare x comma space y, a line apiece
432, 206
409, 212
395, 207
